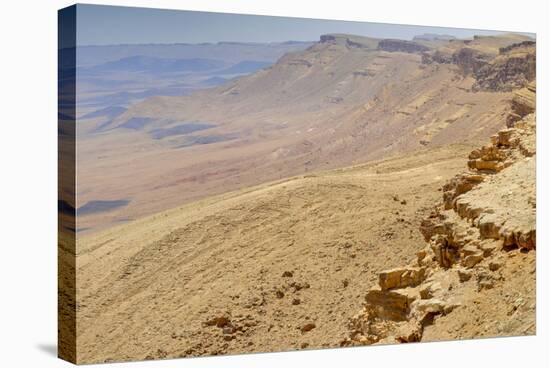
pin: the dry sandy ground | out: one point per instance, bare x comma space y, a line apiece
280, 266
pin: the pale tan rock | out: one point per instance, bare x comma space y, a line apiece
471, 260
489, 226
506, 137
434, 305
401, 277
444, 253
464, 274
496, 264
485, 281
524, 101
469, 250
389, 304
430, 290
489, 165
488, 247
410, 331
421, 255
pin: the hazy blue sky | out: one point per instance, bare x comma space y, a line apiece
107, 25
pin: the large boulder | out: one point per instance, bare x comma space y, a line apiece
389, 304
401, 277
523, 103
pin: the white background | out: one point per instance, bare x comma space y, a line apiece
28, 180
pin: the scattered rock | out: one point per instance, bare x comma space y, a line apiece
409, 332
464, 275
485, 281
471, 260
228, 330
495, 264
287, 274
488, 248
220, 321
297, 286
308, 327
435, 306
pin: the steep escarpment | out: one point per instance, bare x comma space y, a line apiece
513, 68
475, 277
495, 66
401, 46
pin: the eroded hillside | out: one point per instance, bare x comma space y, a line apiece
285, 264
276, 267
344, 100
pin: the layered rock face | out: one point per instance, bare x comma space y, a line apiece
523, 103
470, 60
487, 212
514, 68
509, 68
401, 46
351, 41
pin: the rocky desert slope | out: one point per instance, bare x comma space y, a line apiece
280, 266
476, 275
342, 101
341, 185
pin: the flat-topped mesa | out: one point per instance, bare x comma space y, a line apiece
392, 45
504, 50
351, 41
433, 37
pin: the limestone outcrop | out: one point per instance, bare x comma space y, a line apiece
523, 103
486, 211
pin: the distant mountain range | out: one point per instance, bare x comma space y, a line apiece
229, 52
119, 75
158, 65
151, 64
